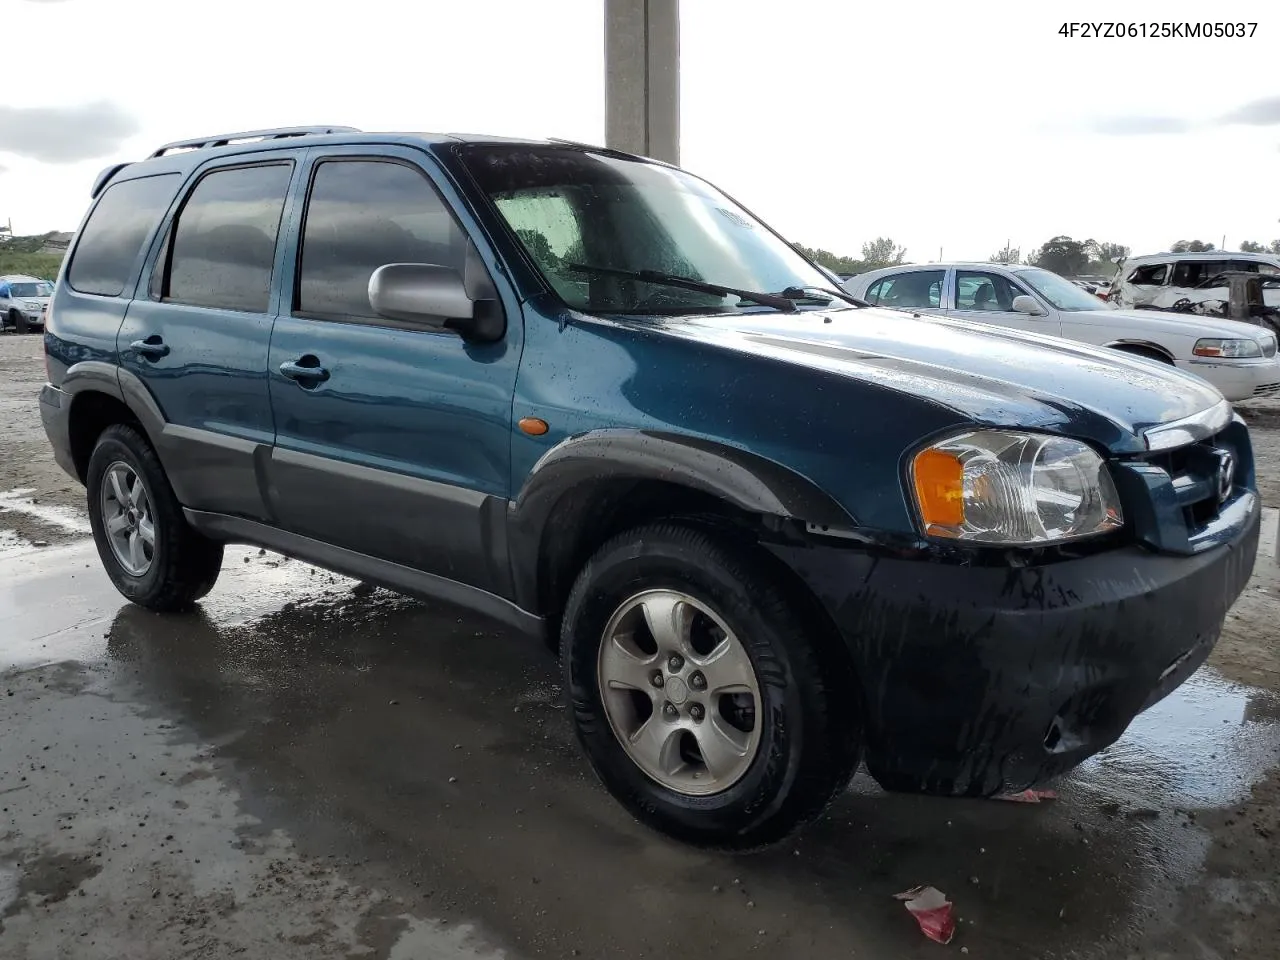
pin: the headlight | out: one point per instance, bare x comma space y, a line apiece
1008, 488
1227, 349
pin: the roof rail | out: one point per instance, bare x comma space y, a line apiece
222, 139
593, 148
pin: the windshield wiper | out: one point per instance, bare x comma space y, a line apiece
785, 304
802, 293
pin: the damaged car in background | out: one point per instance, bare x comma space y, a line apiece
1163, 278
1239, 359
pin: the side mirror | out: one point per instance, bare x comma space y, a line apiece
433, 296
1027, 305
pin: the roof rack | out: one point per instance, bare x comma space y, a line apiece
222, 139
593, 148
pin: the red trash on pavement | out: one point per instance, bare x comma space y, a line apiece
932, 911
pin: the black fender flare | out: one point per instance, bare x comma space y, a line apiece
745, 480
99, 376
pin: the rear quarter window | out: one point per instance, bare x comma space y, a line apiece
112, 237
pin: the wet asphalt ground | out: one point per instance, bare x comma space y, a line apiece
307, 768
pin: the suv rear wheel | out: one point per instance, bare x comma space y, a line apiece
150, 552
697, 691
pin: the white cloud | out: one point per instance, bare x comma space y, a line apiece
64, 134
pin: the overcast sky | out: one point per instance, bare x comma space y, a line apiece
953, 126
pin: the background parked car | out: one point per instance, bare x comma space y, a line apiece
1140, 280
1238, 358
23, 302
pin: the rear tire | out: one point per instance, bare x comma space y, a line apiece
150, 552
804, 740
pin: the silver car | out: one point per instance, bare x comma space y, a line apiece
24, 302
1240, 359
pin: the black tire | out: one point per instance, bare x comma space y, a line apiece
185, 564
19, 321
811, 735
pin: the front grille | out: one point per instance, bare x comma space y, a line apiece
1267, 389
1195, 471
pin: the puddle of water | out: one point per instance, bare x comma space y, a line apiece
20, 501
1204, 745
10, 542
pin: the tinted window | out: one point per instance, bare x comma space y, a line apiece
1189, 273
223, 244
363, 214
922, 288
114, 233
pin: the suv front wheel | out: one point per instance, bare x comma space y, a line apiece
152, 555
698, 691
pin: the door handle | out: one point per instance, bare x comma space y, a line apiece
302, 372
153, 347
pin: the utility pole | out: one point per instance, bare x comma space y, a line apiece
642, 77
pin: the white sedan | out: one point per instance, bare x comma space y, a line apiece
1240, 359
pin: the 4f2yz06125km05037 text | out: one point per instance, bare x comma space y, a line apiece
1151, 30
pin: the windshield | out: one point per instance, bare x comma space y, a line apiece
31, 289
575, 210
1062, 293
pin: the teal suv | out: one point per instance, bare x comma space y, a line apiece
771, 531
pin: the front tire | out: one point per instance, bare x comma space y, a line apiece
148, 549
19, 322
701, 691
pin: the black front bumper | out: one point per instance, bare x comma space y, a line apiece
979, 680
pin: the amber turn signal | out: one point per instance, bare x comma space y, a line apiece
533, 426
939, 481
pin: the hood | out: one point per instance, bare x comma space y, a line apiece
1179, 324
994, 376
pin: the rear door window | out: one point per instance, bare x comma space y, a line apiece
223, 244
112, 238
920, 288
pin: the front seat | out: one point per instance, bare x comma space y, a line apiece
982, 299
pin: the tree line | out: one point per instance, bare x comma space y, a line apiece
1062, 255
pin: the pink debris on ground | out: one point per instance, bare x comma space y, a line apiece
1028, 796
932, 911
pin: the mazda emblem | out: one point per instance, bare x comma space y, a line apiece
1226, 474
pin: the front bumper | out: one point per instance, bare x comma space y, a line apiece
980, 680
1241, 380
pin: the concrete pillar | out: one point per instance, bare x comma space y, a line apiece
642, 77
